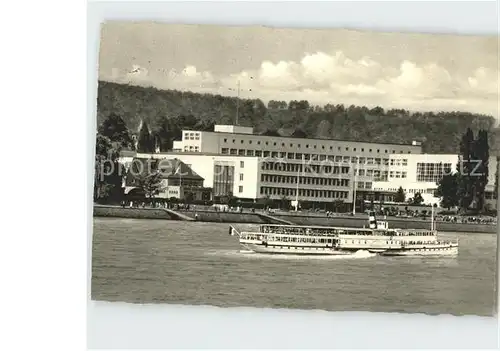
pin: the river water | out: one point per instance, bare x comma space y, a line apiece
159, 261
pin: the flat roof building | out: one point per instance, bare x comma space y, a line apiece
421, 174
226, 142
233, 160
227, 175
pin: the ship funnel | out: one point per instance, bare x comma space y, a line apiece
372, 220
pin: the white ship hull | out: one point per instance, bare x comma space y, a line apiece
431, 251
316, 240
285, 250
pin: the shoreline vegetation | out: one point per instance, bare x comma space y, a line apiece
356, 221
126, 125
168, 112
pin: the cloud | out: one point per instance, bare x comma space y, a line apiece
279, 75
190, 79
325, 78
484, 81
321, 68
424, 82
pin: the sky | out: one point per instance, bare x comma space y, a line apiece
417, 72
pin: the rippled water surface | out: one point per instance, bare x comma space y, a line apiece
159, 261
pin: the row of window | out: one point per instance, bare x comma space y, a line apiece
316, 157
314, 146
331, 194
430, 167
298, 167
389, 242
372, 173
399, 162
191, 136
411, 191
191, 148
271, 178
364, 185
299, 156
397, 174
377, 175
422, 191
432, 172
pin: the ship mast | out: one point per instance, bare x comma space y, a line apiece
432, 217
355, 186
297, 188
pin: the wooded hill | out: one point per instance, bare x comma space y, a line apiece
440, 132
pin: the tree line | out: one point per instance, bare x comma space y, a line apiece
112, 137
465, 188
167, 112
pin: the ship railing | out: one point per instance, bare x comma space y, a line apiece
300, 232
415, 231
429, 243
267, 236
272, 228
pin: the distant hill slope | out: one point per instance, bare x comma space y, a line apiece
440, 132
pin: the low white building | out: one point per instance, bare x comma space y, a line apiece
253, 178
238, 175
420, 173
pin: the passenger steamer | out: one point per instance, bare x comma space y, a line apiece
315, 240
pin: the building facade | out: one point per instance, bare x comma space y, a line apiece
235, 162
417, 174
421, 174
177, 180
252, 178
309, 170
227, 175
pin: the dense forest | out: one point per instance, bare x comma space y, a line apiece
169, 111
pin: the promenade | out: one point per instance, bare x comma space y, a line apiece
359, 220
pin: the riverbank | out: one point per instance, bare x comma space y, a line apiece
357, 221
127, 212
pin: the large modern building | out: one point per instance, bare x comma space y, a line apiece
310, 170
234, 161
240, 141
